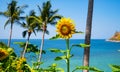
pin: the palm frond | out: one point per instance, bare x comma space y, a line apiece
34, 32
54, 12
47, 32
39, 30
24, 6
18, 22
24, 33
6, 23
12, 7
32, 13
23, 25
21, 12
5, 14
38, 20
1, 13
53, 23
39, 8
46, 10
20, 9
51, 19
21, 18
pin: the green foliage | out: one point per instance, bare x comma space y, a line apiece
60, 58
81, 45
52, 68
115, 68
58, 37
55, 37
21, 44
3, 45
94, 69
12, 63
55, 50
30, 48
36, 64
29, 25
79, 32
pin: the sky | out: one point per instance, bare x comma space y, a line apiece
106, 17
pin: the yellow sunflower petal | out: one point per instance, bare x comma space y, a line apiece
3, 54
65, 28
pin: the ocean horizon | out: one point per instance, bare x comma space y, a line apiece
102, 54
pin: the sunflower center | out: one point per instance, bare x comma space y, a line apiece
65, 30
2, 54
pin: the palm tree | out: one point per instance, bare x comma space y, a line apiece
88, 34
47, 16
13, 15
29, 25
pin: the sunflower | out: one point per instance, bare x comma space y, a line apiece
65, 28
20, 62
3, 54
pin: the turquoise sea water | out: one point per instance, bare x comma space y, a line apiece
102, 54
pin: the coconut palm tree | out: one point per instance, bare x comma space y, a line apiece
47, 16
88, 34
13, 15
30, 28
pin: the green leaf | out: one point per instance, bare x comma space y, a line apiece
79, 32
87, 68
115, 68
95, 69
84, 45
6, 23
60, 70
21, 44
3, 45
37, 63
30, 47
81, 45
57, 50
37, 19
55, 37
60, 58
24, 33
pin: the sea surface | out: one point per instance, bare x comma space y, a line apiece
102, 54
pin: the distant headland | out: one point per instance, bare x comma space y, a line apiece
115, 37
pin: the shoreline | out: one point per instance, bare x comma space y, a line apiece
112, 41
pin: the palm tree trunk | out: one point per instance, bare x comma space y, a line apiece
42, 44
9, 40
23, 55
88, 34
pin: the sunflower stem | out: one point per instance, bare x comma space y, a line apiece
68, 55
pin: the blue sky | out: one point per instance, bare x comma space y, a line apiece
106, 17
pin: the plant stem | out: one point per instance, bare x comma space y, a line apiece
68, 55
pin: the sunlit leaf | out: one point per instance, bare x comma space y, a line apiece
30, 48
60, 69
60, 58
57, 50
3, 45
115, 68
94, 69
55, 37
81, 45
37, 63
21, 44
79, 32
